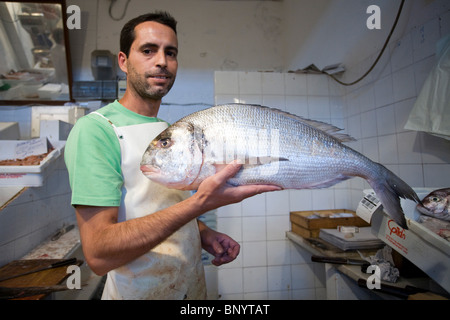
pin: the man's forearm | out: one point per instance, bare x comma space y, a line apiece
108, 245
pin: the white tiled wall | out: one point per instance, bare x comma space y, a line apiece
374, 112
378, 107
36, 214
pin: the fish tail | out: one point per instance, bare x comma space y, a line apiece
389, 189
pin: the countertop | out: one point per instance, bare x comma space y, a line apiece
58, 249
354, 271
68, 245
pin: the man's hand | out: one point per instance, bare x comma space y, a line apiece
215, 192
222, 247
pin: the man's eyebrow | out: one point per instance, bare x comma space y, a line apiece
173, 48
154, 45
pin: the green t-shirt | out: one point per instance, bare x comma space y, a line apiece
92, 155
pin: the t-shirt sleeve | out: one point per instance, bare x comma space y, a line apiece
92, 156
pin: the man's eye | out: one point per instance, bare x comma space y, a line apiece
149, 51
172, 54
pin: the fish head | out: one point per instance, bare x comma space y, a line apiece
436, 204
174, 158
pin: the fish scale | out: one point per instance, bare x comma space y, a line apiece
274, 146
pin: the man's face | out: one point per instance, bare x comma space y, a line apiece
152, 63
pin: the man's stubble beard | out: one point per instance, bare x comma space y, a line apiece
144, 89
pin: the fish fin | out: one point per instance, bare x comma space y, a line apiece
320, 125
389, 189
342, 137
328, 128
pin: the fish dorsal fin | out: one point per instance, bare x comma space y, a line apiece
322, 126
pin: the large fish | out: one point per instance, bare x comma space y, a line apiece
436, 204
274, 147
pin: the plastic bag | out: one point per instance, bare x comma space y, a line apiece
431, 111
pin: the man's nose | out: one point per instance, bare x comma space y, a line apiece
161, 59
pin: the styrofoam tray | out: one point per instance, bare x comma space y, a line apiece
30, 176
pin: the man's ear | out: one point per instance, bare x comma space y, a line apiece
122, 61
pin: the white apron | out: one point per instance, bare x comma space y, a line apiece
173, 270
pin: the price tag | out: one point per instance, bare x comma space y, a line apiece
31, 147
368, 205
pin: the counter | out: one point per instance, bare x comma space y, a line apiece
67, 246
342, 280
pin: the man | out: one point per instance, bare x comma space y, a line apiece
145, 236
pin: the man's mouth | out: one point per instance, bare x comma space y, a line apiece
160, 77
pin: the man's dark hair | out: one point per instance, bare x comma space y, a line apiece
127, 34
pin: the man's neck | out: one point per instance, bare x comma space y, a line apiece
145, 107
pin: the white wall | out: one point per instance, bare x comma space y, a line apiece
377, 108
213, 35
325, 32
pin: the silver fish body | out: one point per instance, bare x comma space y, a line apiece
436, 204
274, 147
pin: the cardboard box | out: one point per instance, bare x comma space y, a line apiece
307, 227
418, 244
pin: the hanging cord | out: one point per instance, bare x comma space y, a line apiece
379, 55
124, 10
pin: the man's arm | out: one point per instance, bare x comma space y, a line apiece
108, 245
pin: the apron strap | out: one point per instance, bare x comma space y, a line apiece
116, 130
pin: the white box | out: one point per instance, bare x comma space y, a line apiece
424, 248
27, 176
68, 114
9, 131
49, 91
418, 244
54, 130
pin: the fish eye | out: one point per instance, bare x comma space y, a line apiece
164, 143
435, 199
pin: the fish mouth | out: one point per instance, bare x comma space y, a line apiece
149, 170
